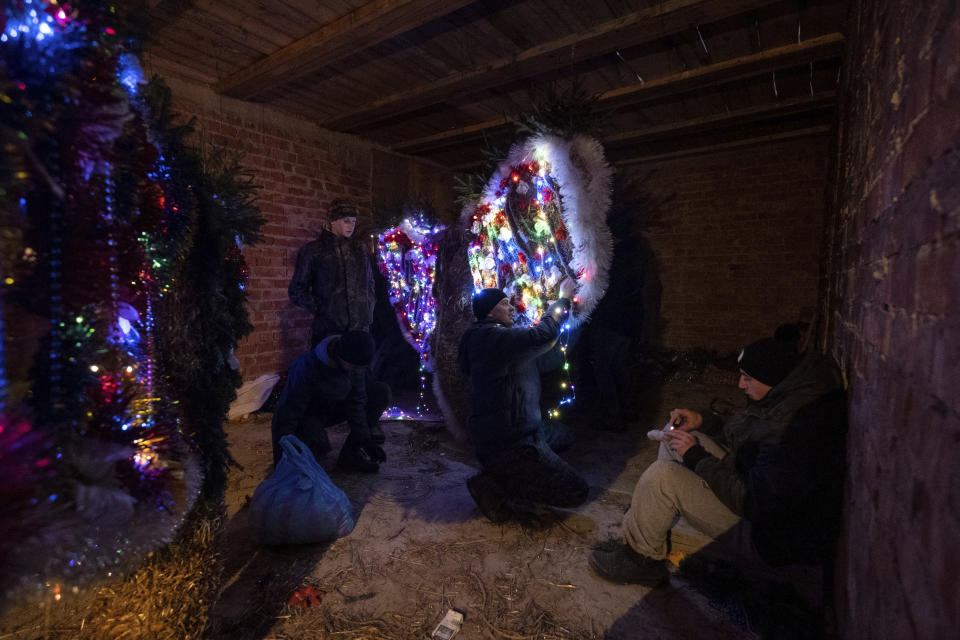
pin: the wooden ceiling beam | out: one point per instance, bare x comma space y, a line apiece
616, 143
446, 137
663, 19
819, 48
360, 29
165, 12
817, 130
749, 114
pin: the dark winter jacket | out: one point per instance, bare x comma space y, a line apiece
504, 366
776, 449
334, 280
318, 391
794, 496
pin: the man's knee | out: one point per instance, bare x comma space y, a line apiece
662, 474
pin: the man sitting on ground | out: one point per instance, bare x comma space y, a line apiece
778, 463
325, 386
520, 470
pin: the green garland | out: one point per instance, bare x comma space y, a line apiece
112, 226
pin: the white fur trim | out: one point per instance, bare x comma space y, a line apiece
584, 179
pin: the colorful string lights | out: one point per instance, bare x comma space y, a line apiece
521, 243
522, 247
407, 256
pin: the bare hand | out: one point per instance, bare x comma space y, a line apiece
680, 441
565, 290
685, 419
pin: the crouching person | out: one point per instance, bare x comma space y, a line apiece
778, 463
326, 386
521, 473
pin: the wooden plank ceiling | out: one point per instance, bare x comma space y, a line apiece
445, 79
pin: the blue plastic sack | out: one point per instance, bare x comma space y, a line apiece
299, 504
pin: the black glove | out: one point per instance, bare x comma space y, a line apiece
375, 451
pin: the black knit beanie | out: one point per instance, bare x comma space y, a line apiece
354, 347
485, 301
768, 361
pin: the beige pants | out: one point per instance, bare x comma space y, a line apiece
666, 491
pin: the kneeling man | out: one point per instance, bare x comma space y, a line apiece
326, 386
520, 470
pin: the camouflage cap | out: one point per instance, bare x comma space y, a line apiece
342, 208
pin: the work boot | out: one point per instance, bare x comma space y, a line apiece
487, 494
356, 459
623, 565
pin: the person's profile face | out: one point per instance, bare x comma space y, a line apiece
344, 227
502, 312
754, 389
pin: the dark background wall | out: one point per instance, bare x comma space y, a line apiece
301, 168
895, 318
736, 236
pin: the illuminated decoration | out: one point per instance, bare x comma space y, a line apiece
395, 413
407, 256
542, 220
3, 364
125, 242
43, 34
129, 73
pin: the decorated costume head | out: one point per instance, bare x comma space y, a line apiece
343, 217
485, 300
765, 364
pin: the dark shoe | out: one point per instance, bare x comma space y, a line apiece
356, 459
376, 433
487, 495
623, 565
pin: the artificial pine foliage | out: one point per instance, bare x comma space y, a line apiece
563, 113
122, 299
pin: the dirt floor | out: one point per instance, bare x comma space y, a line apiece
421, 547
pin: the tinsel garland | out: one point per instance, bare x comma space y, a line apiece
122, 295
541, 219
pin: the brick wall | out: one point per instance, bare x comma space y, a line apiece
736, 236
301, 169
895, 312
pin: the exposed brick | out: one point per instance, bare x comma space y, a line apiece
737, 241
300, 173
897, 334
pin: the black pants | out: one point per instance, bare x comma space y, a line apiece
312, 430
534, 474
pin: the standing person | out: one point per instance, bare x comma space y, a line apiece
778, 463
326, 386
520, 470
333, 280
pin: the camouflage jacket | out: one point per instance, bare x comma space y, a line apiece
334, 280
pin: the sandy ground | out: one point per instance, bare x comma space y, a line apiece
420, 546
